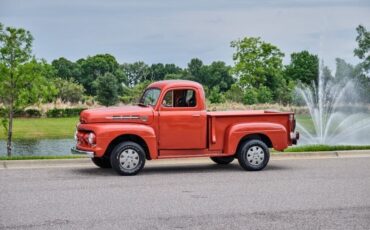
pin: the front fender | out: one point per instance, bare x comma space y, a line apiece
107, 132
277, 134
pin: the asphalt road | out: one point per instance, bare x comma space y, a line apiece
288, 194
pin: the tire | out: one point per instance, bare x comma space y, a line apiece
222, 160
127, 158
101, 162
253, 155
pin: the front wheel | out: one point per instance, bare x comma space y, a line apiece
222, 160
253, 155
128, 158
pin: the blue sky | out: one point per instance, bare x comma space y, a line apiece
171, 31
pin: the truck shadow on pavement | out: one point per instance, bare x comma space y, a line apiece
179, 169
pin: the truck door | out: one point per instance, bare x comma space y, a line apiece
182, 121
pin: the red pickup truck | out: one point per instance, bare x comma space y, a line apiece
171, 121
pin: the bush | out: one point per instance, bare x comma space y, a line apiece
250, 96
21, 113
214, 95
69, 90
69, 112
235, 93
264, 95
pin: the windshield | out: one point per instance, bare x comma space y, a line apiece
150, 97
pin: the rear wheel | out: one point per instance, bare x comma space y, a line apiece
253, 155
222, 160
101, 162
127, 158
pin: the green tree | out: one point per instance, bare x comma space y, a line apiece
173, 76
363, 49
22, 80
107, 89
258, 64
159, 71
343, 69
136, 72
66, 69
97, 65
303, 67
362, 70
217, 74
69, 90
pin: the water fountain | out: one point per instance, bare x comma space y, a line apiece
337, 118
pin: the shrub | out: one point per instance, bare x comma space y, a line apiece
69, 90
264, 95
215, 96
250, 96
235, 93
69, 112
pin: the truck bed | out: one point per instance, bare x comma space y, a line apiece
220, 121
245, 113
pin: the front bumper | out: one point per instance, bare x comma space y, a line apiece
90, 154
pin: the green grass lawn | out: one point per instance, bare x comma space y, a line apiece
42, 157
316, 148
306, 122
42, 128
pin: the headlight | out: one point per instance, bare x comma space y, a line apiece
91, 139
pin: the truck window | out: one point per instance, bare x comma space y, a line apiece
150, 97
179, 98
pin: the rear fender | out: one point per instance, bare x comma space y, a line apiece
277, 134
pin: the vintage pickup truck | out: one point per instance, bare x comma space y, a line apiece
171, 121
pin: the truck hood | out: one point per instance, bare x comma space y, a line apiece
127, 114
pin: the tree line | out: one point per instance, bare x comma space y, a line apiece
257, 76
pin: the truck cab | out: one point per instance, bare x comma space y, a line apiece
171, 121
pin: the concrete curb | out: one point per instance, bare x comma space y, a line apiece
16, 164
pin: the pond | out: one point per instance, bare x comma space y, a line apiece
42, 147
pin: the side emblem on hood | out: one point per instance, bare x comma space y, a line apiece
129, 117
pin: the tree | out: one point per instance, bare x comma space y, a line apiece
107, 89
217, 74
258, 64
97, 65
66, 69
159, 71
363, 49
303, 67
69, 90
22, 80
136, 72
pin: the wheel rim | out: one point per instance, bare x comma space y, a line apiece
255, 155
129, 159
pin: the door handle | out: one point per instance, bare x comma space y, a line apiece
196, 115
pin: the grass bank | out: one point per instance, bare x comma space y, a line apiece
42, 128
319, 148
42, 157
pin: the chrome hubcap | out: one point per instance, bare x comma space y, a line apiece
255, 155
129, 159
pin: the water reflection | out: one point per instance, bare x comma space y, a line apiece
42, 147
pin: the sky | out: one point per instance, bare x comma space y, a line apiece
173, 31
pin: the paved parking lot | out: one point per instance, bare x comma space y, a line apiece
288, 194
